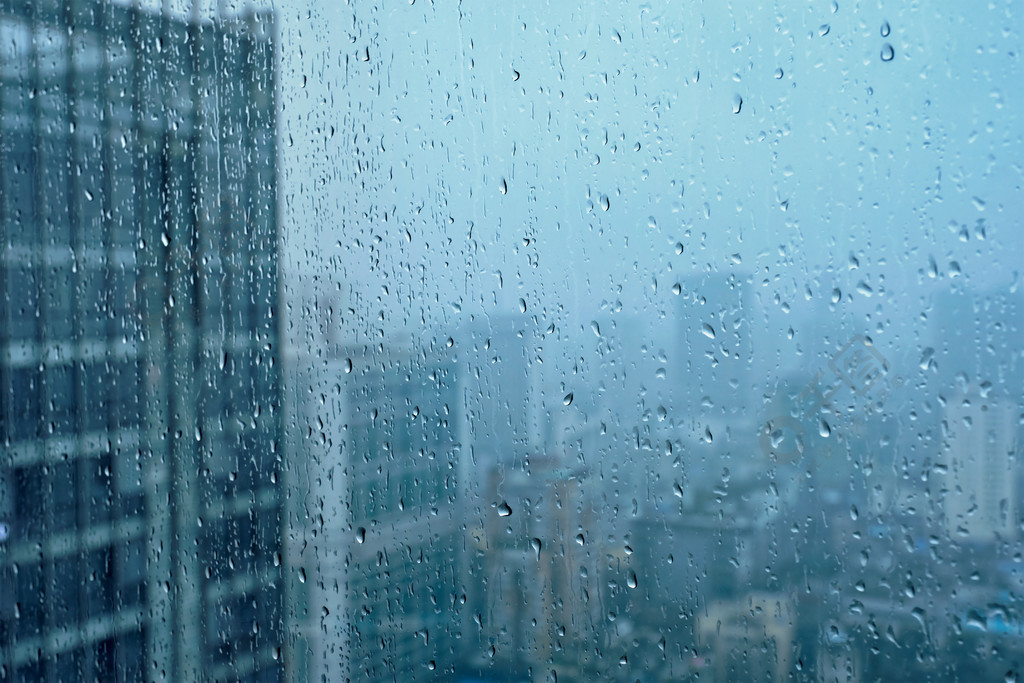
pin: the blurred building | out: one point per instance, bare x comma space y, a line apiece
716, 322
139, 379
382, 540
980, 453
536, 576
751, 638
502, 375
978, 367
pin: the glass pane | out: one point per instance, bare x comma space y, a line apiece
503, 342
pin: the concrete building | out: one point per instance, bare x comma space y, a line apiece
750, 638
377, 534
980, 454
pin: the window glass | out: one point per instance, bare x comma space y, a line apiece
474, 341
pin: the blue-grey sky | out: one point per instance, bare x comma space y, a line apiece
442, 160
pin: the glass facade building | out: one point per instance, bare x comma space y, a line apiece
140, 390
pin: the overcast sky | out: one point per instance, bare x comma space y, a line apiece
469, 155
442, 160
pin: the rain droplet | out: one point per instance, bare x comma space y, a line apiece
885, 29
535, 544
360, 535
737, 104
568, 399
503, 188
887, 53
708, 331
631, 579
504, 510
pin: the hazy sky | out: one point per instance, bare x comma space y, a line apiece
442, 159
446, 159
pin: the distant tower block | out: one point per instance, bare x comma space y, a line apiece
980, 501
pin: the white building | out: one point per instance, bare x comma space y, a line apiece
979, 452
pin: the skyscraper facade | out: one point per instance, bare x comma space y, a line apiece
140, 477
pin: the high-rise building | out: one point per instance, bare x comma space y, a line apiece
980, 500
140, 475
502, 376
381, 544
974, 360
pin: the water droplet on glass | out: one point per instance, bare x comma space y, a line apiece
885, 29
888, 53
708, 331
504, 510
568, 399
